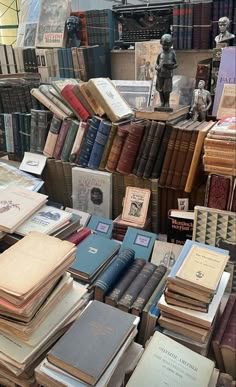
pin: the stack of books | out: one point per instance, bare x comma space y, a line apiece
192, 297
38, 302
74, 359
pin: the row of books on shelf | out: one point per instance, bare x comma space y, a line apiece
84, 62
195, 24
115, 275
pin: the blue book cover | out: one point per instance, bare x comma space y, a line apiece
91, 255
99, 144
60, 62
140, 241
184, 252
87, 145
101, 226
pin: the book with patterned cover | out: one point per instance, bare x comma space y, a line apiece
218, 190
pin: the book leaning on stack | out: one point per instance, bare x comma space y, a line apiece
191, 300
38, 302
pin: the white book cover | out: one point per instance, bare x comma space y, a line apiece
84, 216
33, 163
168, 363
201, 318
92, 191
16, 205
46, 220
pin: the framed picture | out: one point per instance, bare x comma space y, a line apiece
136, 204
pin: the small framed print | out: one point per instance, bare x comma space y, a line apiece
136, 204
102, 227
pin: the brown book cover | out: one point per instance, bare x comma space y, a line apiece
148, 289
154, 150
188, 159
220, 329
228, 344
130, 148
184, 298
218, 190
168, 156
181, 290
116, 293
116, 148
131, 294
142, 145
61, 138
146, 149
90, 99
83, 100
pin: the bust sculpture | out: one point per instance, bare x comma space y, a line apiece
224, 36
201, 102
165, 64
72, 25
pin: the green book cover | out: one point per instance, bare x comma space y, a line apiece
140, 241
69, 141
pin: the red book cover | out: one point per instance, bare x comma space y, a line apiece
79, 109
79, 236
218, 191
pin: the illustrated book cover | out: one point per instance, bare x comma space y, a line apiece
136, 203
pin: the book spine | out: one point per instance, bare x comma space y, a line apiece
188, 159
91, 100
70, 63
61, 138
154, 150
108, 146
70, 138
75, 62
67, 169
88, 143
114, 271
83, 101
174, 158
49, 104
115, 294
99, 144
146, 150
136, 286
130, 148
23, 134
3, 146
44, 89
78, 108
52, 136
81, 59
75, 151
79, 236
168, 156
161, 154
9, 133
183, 149
60, 63
27, 129
44, 120
142, 145
148, 289
116, 149
16, 134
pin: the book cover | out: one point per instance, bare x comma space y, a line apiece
16, 205
108, 335
136, 203
218, 190
91, 254
33, 163
101, 226
69, 140
99, 144
179, 226
140, 241
162, 356
165, 253
92, 191
226, 74
227, 104
88, 142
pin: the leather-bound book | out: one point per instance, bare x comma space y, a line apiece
99, 144
114, 271
142, 145
130, 148
154, 150
146, 150
70, 138
131, 294
74, 103
83, 100
61, 138
88, 142
146, 292
75, 151
218, 190
108, 146
120, 287
168, 156
116, 148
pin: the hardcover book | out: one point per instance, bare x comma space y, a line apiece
33, 163
179, 226
193, 369
16, 205
136, 203
91, 255
227, 104
109, 335
101, 226
140, 241
92, 191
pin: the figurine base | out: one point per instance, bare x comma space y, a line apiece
163, 109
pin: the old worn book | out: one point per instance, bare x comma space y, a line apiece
131, 294
93, 254
114, 271
47, 220
188, 330
81, 133
171, 297
154, 150
115, 107
120, 287
108, 146
99, 144
34, 252
136, 203
92, 191
116, 147
16, 205
69, 140
227, 103
69, 351
193, 369
88, 141
220, 329
140, 241
147, 142
228, 344
49, 104
53, 133
218, 191
202, 268
165, 253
